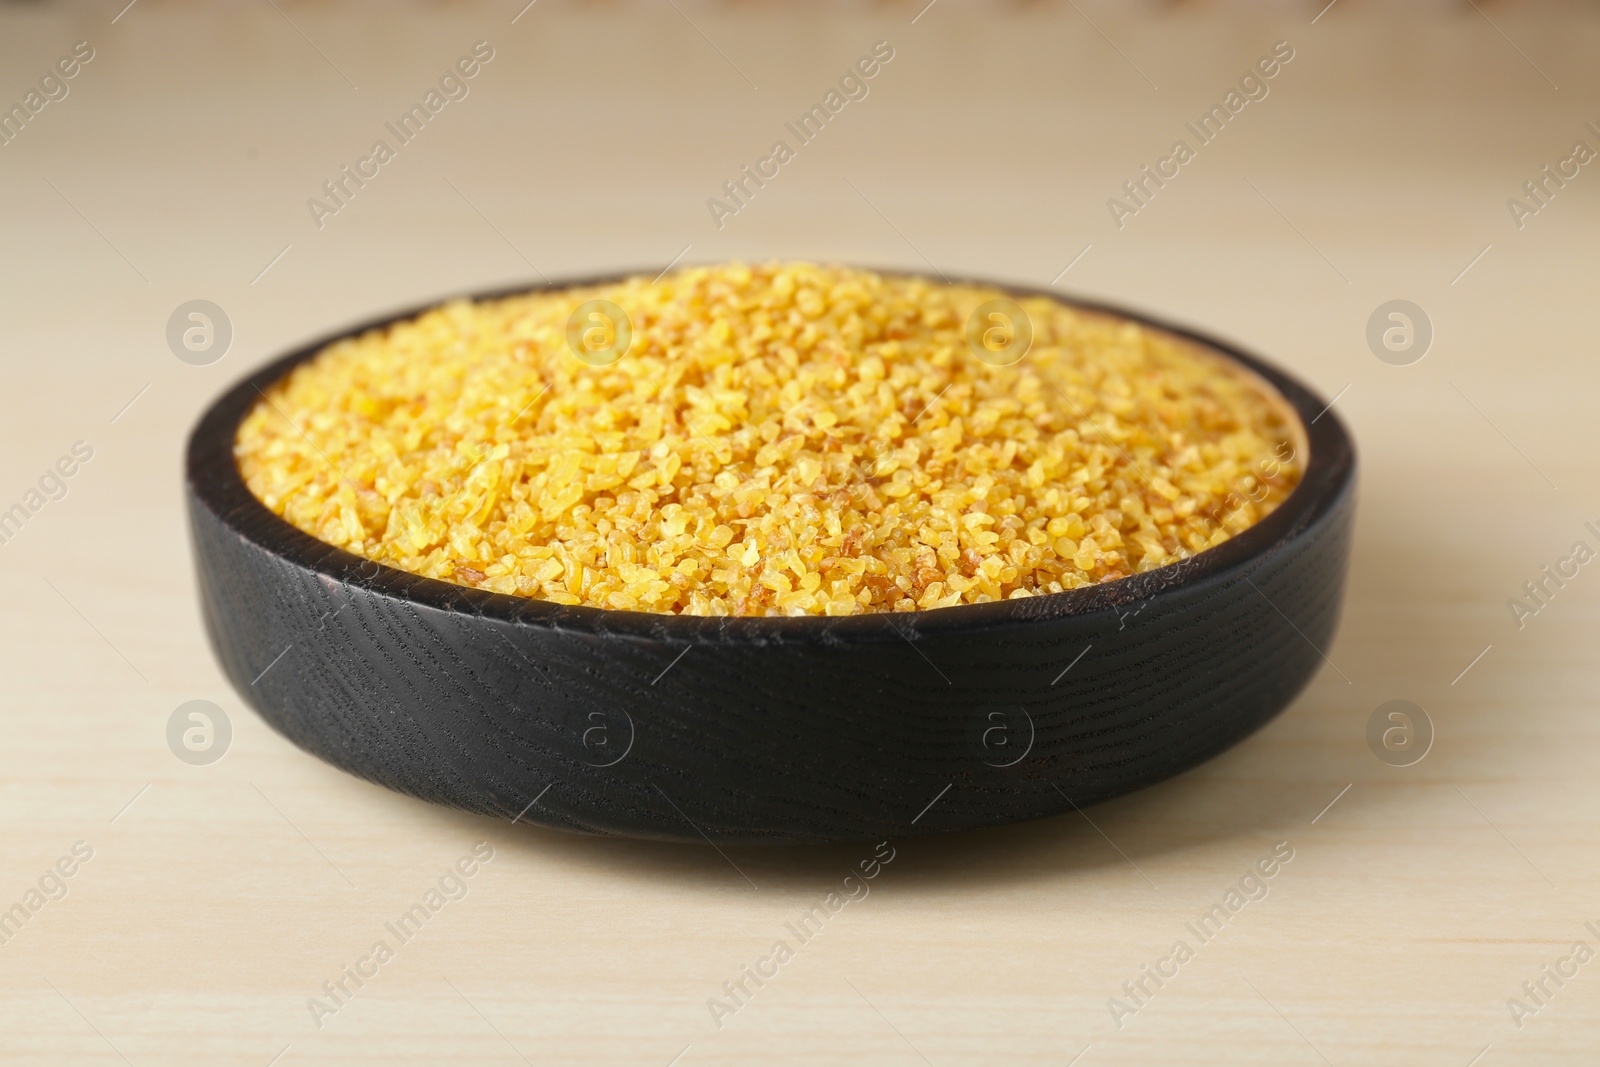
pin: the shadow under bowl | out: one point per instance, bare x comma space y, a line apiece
780, 729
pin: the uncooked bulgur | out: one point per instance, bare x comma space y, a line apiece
782, 439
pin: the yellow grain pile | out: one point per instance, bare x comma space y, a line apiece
781, 439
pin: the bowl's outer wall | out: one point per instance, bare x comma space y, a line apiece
686, 728
819, 740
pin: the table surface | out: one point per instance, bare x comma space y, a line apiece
219, 898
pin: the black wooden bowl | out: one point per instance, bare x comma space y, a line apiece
730, 729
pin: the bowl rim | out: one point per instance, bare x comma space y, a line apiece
213, 480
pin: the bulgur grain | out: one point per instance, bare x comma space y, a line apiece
782, 439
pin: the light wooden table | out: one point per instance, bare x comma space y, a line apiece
219, 898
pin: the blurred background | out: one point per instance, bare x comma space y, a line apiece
1423, 152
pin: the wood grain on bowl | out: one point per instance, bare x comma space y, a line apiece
805, 728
